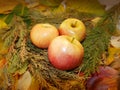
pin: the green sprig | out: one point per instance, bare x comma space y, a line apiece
95, 44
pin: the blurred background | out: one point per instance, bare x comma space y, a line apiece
7, 5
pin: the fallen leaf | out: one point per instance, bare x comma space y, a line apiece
6, 6
24, 82
112, 51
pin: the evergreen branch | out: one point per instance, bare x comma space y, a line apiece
24, 55
95, 44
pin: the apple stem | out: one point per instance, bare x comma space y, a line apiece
74, 24
72, 40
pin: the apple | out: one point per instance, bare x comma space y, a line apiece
73, 27
42, 34
65, 52
105, 79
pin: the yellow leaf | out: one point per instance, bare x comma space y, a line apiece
95, 20
59, 10
34, 85
3, 50
6, 6
51, 3
112, 51
86, 6
44, 10
3, 25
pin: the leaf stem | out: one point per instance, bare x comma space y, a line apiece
72, 39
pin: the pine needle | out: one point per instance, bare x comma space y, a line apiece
95, 44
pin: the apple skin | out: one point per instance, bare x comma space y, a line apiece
73, 27
65, 52
42, 34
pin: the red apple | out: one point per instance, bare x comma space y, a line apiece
42, 34
73, 27
65, 52
105, 79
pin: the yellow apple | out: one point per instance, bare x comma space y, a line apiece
42, 34
73, 27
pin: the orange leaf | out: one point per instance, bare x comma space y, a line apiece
2, 62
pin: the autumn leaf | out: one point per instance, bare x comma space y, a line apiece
88, 6
2, 62
3, 25
6, 6
24, 82
51, 3
112, 51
